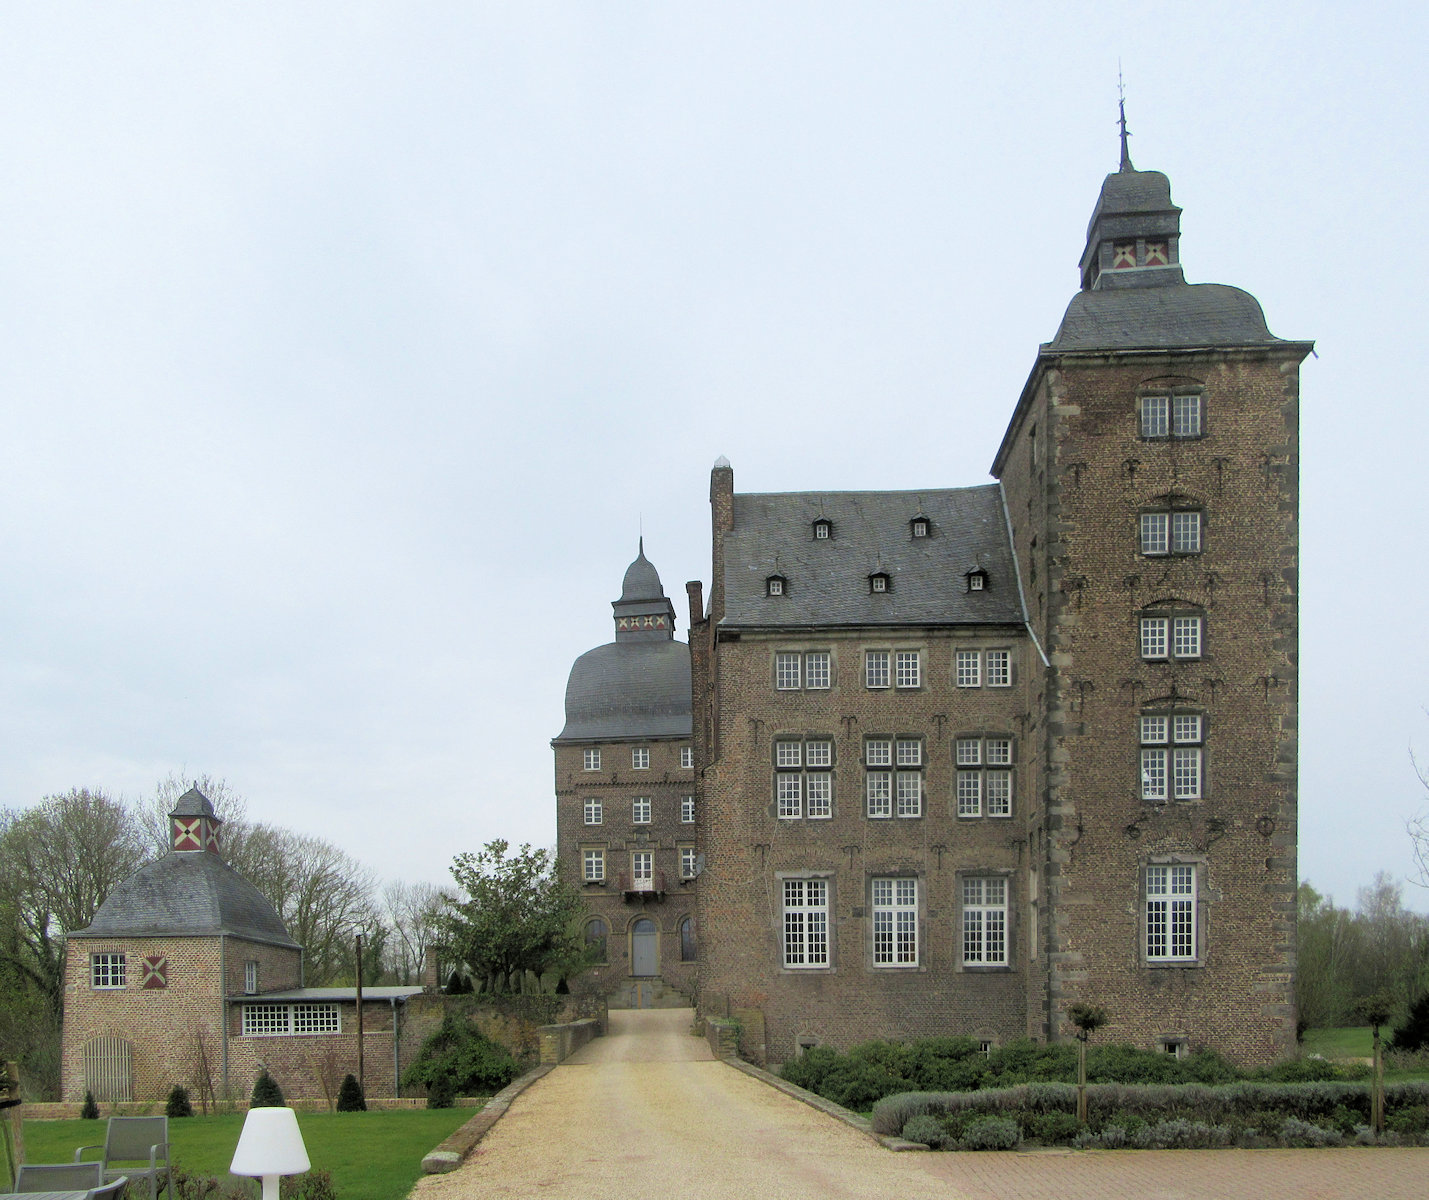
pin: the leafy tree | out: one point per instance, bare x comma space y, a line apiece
412, 911
1414, 1033
460, 1059
515, 914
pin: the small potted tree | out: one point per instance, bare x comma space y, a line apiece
1087, 1018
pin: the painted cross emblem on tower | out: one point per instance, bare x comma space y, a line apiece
154, 972
188, 835
210, 837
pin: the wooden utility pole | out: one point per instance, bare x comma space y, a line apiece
360, 1083
14, 1130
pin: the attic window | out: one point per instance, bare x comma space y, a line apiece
977, 580
774, 585
878, 582
823, 529
919, 526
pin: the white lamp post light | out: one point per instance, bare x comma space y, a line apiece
269, 1146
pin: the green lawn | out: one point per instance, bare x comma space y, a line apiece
371, 1155
1353, 1042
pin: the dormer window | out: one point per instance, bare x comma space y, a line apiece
774, 585
823, 529
879, 582
919, 527
977, 580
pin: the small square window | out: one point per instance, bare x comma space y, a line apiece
909, 752
976, 582
819, 753
592, 760
920, 528
594, 812
878, 752
775, 585
878, 583
822, 530
788, 754
640, 758
640, 810
687, 757
107, 971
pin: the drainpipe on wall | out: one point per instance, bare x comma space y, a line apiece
396, 1053
223, 1008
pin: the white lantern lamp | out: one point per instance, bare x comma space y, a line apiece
270, 1145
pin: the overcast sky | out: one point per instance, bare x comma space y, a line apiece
345, 348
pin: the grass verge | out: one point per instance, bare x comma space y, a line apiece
370, 1155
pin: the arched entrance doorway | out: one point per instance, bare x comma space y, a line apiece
644, 949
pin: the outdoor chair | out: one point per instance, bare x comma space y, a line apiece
111, 1190
142, 1143
58, 1177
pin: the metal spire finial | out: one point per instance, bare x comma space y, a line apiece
1121, 106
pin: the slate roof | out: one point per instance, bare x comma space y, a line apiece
629, 690
313, 995
186, 894
1180, 315
827, 579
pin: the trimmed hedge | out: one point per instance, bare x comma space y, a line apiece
1161, 1116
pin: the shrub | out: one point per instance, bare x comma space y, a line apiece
471, 1063
992, 1133
178, 1104
1051, 1128
439, 1094
1295, 1132
90, 1111
311, 1185
1412, 1118
925, 1129
266, 1092
350, 1097
187, 1186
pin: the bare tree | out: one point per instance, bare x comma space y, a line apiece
413, 912
152, 814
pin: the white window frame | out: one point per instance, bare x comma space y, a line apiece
1172, 636
1171, 932
878, 793
640, 758
642, 868
775, 585
908, 794
908, 669
997, 668
788, 671
288, 1020
1172, 756
687, 757
1171, 416
984, 785
1171, 532
250, 976
687, 810
1187, 415
984, 912
968, 668
894, 908
641, 810
806, 924
803, 778
592, 865
818, 670
877, 668
1155, 417
687, 862
593, 812
108, 971
592, 760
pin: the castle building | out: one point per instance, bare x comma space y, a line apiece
625, 799
187, 975
966, 757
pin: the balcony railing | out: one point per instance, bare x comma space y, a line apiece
644, 887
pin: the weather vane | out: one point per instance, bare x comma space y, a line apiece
1121, 106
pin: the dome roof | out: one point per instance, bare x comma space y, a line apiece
642, 581
629, 690
1181, 315
185, 894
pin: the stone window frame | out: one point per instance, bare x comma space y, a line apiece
1158, 900
593, 864
593, 811
1165, 530
984, 907
795, 669
800, 762
640, 758
897, 909
108, 971
642, 810
978, 757
892, 779
804, 896
1172, 743
1167, 615
591, 759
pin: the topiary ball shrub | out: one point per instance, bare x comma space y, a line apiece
992, 1133
350, 1097
440, 1094
266, 1092
90, 1111
178, 1104
925, 1129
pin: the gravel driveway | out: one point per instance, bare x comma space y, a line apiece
647, 1112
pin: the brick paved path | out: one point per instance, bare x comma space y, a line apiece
646, 1112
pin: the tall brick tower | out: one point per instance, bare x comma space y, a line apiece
1150, 477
